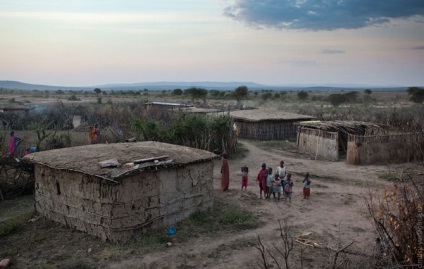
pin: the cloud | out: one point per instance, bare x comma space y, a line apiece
418, 48
319, 15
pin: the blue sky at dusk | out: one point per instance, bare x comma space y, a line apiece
273, 42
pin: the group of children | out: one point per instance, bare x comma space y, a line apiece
275, 184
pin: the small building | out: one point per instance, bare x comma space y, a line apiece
329, 139
263, 124
115, 190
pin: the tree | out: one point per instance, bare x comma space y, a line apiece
351, 96
177, 92
214, 93
367, 92
302, 95
336, 99
240, 92
266, 96
97, 91
416, 94
196, 93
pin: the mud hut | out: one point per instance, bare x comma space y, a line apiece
115, 190
262, 124
329, 139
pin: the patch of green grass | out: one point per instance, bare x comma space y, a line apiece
234, 216
200, 217
218, 218
15, 224
395, 176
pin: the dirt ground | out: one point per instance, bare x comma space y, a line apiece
335, 215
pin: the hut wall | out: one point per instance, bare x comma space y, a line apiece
385, 148
318, 143
140, 202
266, 130
74, 199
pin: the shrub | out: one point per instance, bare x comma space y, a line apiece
416, 94
398, 221
302, 95
73, 97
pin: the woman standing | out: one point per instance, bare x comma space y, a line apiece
225, 172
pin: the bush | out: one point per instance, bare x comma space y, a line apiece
398, 221
302, 95
73, 97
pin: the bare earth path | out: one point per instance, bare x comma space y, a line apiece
336, 213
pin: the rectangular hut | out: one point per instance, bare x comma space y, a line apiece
116, 190
329, 139
267, 124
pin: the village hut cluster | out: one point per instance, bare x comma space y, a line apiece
115, 190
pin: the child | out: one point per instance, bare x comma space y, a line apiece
244, 178
261, 179
276, 186
288, 187
306, 186
269, 181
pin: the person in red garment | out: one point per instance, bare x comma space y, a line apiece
225, 172
261, 179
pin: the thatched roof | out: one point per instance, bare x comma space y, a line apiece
85, 159
254, 115
345, 126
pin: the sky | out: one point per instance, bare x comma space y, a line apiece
271, 42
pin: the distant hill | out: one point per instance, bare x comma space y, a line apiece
16, 85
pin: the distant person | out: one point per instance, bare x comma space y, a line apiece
281, 170
306, 186
225, 172
261, 179
244, 177
288, 187
14, 142
94, 134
